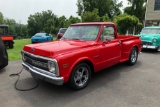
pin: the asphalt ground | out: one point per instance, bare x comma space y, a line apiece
117, 86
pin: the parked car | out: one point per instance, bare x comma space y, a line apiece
150, 37
61, 32
41, 37
84, 49
3, 55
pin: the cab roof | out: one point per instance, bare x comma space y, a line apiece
91, 23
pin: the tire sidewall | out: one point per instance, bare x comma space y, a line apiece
158, 49
130, 56
72, 82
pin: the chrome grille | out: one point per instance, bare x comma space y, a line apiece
146, 43
37, 62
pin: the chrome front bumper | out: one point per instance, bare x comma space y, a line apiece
149, 47
47, 76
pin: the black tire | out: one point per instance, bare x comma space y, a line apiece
4, 60
10, 45
80, 76
133, 56
158, 49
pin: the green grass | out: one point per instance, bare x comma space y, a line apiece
15, 53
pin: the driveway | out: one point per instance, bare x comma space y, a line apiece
118, 86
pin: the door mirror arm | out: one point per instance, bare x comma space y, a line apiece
106, 41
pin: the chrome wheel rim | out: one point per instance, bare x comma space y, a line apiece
81, 76
134, 56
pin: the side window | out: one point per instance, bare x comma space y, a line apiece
107, 33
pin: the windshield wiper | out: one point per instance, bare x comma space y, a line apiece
75, 39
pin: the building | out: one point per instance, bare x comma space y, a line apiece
152, 16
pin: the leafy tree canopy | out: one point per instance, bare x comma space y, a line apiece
137, 8
126, 22
109, 8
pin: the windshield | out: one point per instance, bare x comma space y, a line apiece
89, 32
3, 30
62, 31
39, 34
150, 31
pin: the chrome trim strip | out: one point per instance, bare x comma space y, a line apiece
31, 69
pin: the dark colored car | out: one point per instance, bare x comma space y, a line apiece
3, 55
61, 32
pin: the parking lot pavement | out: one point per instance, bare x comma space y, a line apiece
118, 86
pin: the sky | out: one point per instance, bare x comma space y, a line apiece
20, 10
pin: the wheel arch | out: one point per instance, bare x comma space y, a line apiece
135, 47
87, 61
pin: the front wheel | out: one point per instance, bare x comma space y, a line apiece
80, 76
133, 56
158, 49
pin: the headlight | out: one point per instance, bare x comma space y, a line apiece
52, 67
155, 40
23, 57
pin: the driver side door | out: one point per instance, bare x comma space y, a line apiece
110, 47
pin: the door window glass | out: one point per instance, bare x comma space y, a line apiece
108, 33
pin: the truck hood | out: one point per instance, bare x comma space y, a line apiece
149, 37
55, 48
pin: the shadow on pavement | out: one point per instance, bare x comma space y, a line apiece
2, 70
150, 51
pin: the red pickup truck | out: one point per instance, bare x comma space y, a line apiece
84, 49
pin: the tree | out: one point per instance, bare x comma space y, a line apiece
62, 21
109, 8
16, 29
1, 18
43, 22
88, 16
11, 26
137, 9
126, 22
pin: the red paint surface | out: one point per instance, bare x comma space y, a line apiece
7, 38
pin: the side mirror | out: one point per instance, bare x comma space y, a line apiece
107, 40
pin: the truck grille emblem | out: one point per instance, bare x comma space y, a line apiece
32, 50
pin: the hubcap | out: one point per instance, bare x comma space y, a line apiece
81, 76
134, 56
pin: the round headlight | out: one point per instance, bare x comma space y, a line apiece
51, 66
155, 40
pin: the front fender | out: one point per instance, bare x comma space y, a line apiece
67, 64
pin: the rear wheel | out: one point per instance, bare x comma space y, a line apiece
80, 76
133, 56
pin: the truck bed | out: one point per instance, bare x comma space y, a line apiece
124, 37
